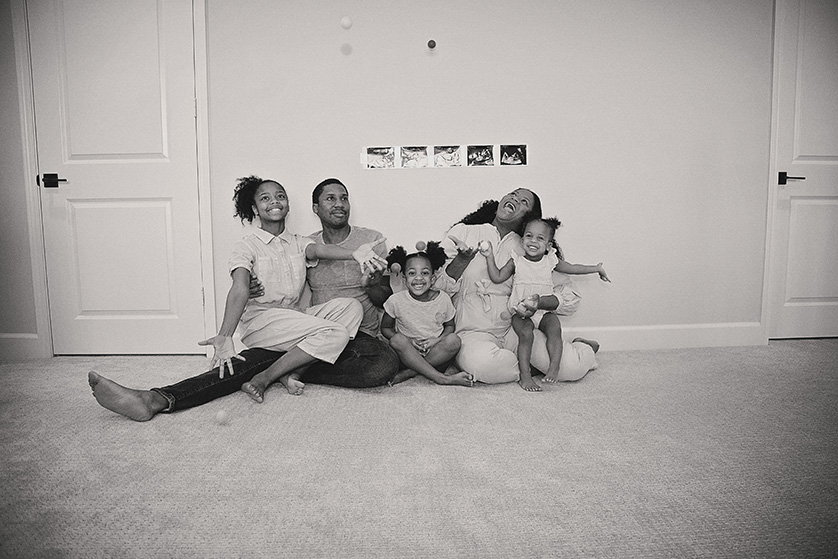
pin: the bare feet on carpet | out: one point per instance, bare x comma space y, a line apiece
402, 376
529, 385
451, 377
256, 387
256, 393
292, 384
139, 405
461, 378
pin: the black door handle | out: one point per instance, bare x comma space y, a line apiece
784, 178
51, 180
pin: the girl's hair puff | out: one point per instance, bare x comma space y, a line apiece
433, 253
397, 255
245, 194
553, 224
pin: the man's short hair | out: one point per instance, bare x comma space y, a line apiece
318, 190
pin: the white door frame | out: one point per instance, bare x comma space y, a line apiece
42, 344
765, 319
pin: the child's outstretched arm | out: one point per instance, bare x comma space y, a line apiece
364, 255
579, 269
497, 275
222, 343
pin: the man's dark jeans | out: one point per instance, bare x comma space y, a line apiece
364, 363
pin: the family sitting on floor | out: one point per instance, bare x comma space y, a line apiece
447, 307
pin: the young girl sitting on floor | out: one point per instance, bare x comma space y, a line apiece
419, 321
532, 280
276, 320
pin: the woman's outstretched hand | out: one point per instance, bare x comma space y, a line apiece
224, 353
465, 252
368, 259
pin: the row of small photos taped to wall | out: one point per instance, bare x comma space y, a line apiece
413, 157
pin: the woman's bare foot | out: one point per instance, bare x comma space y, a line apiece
592, 343
139, 405
292, 383
528, 384
458, 379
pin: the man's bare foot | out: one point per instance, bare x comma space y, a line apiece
458, 379
292, 383
528, 384
139, 405
592, 343
255, 391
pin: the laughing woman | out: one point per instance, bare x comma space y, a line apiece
483, 324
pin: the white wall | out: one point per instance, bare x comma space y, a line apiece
647, 124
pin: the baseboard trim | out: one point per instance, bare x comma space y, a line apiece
672, 336
19, 347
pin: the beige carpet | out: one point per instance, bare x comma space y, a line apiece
686, 453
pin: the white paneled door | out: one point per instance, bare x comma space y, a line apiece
803, 278
115, 126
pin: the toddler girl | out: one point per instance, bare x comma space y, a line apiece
531, 285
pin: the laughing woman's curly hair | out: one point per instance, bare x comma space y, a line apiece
489, 208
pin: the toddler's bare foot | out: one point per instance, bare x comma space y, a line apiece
254, 390
551, 377
292, 383
139, 405
529, 384
458, 379
592, 343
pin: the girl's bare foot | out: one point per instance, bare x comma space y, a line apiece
254, 390
292, 383
529, 384
403, 375
452, 369
459, 379
139, 405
